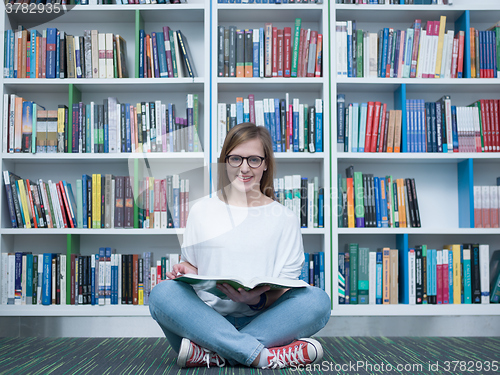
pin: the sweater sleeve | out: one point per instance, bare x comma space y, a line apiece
292, 247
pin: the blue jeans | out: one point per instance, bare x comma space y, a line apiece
300, 312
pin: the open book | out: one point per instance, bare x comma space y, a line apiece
209, 283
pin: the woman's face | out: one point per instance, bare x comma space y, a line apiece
244, 178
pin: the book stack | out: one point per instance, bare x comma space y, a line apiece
368, 277
165, 54
367, 127
486, 206
40, 204
102, 201
485, 52
163, 203
378, 202
455, 274
313, 270
442, 127
164, 264
430, 126
55, 54
294, 127
103, 278
304, 198
111, 127
31, 279
269, 52
416, 52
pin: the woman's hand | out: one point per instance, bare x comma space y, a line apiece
181, 269
250, 297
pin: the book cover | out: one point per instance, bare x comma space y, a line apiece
248, 60
186, 54
353, 273
363, 275
240, 53
296, 46
209, 283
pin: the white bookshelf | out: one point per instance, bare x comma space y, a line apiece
436, 175
226, 89
194, 21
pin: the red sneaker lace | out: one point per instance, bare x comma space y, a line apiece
202, 356
286, 356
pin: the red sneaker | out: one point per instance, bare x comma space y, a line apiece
193, 355
299, 352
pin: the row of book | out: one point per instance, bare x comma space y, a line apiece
306, 199
270, 1
367, 127
455, 274
269, 52
101, 201
106, 2
111, 127
484, 52
104, 278
294, 127
55, 54
313, 270
378, 202
412, 53
142, 1
163, 203
397, 2
165, 54
39, 204
442, 127
486, 206
430, 126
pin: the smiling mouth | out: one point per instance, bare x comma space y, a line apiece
244, 178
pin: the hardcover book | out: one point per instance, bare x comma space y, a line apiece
209, 283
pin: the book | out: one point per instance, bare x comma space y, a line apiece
186, 54
209, 283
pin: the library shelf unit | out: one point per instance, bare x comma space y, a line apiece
226, 89
193, 20
443, 181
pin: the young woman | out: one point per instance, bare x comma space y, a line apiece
242, 231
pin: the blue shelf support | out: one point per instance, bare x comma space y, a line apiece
465, 174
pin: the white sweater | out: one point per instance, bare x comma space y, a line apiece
244, 242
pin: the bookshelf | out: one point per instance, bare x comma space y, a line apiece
226, 89
194, 21
443, 180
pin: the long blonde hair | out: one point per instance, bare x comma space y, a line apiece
242, 133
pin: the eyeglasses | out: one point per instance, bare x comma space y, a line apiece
253, 161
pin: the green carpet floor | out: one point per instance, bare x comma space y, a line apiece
346, 355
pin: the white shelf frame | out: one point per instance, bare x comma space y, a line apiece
210, 85
379, 13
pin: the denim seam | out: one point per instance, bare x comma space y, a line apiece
254, 355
